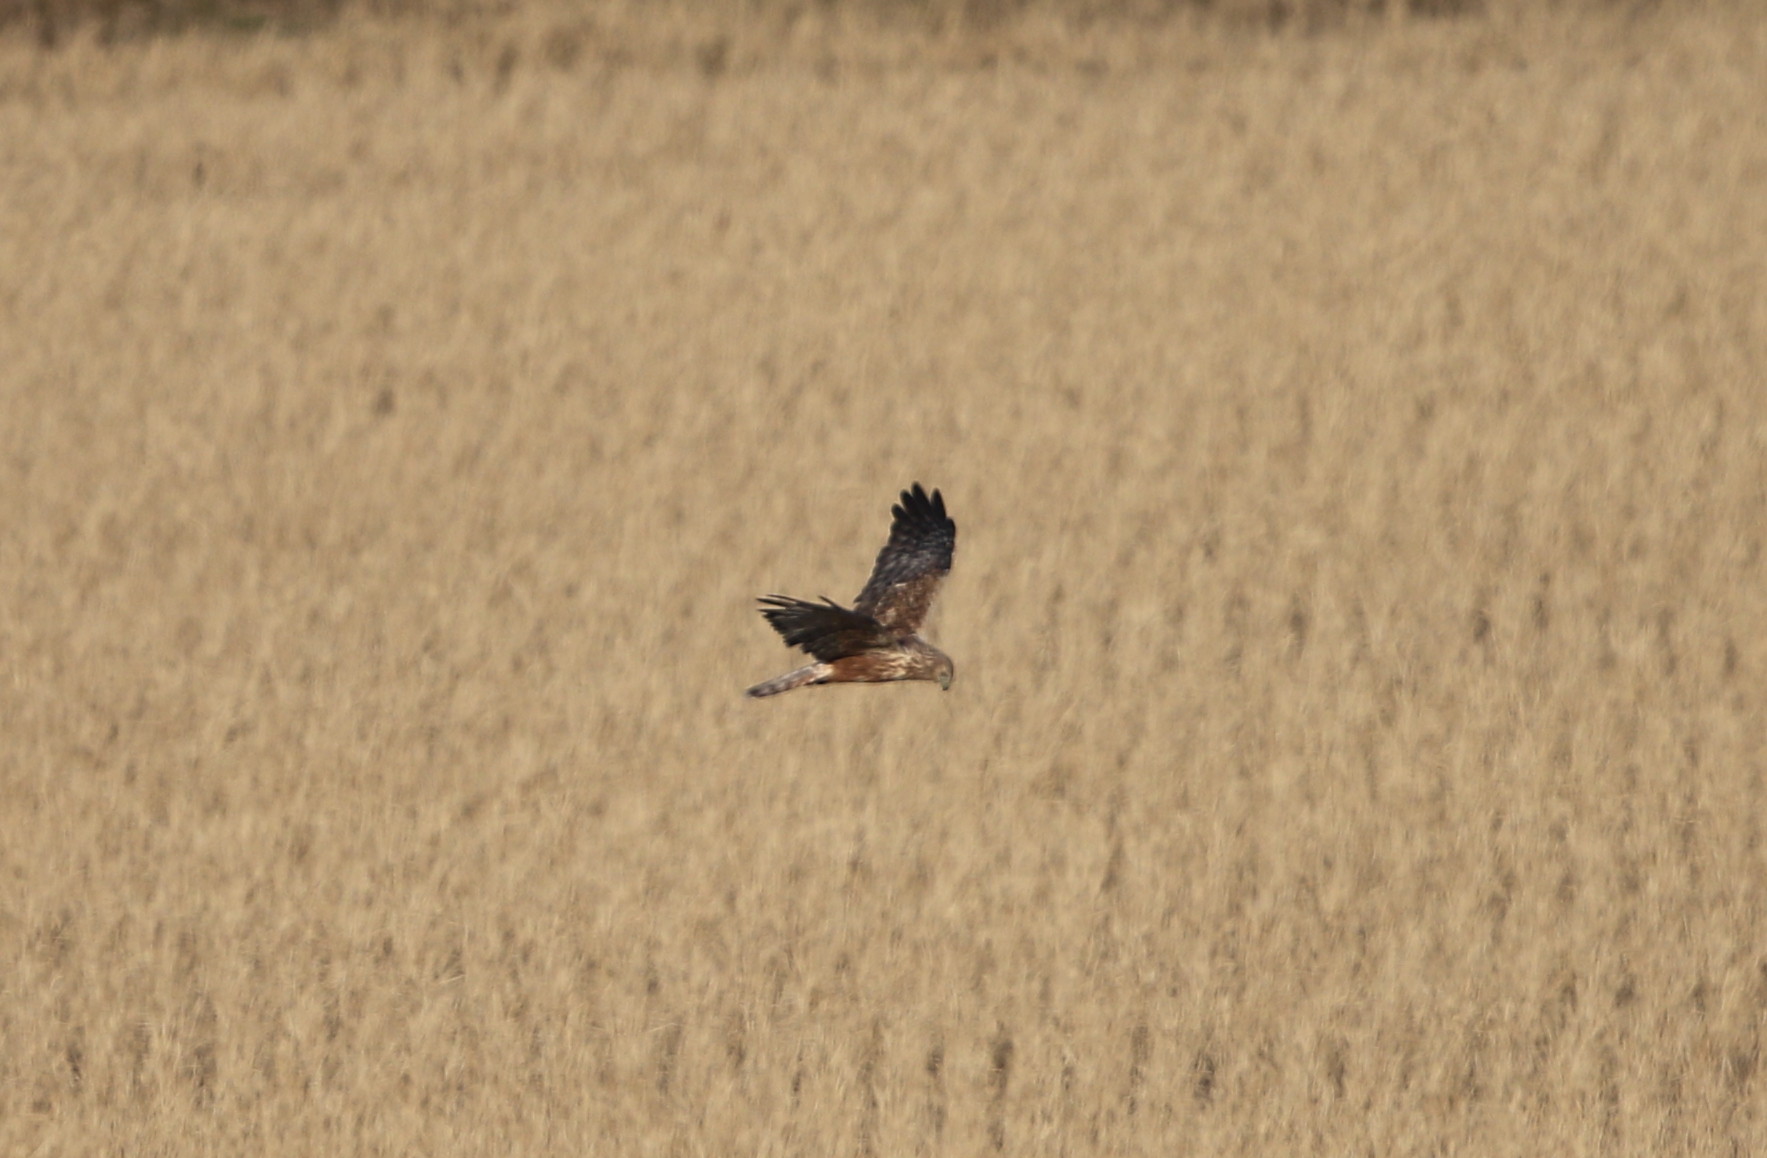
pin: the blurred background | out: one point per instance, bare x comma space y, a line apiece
1353, 419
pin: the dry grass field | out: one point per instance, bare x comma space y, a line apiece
1359, 448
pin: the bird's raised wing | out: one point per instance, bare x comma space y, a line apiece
908, 570
826, 630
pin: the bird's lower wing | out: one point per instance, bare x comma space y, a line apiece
826, 630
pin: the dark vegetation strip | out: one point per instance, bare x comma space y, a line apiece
114, 21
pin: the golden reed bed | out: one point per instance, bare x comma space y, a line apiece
1358, 443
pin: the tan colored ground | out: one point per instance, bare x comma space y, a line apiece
1359, 446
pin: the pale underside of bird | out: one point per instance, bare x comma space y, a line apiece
877, 640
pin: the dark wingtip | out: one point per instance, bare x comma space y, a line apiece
915, 500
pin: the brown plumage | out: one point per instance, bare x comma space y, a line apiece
877, 640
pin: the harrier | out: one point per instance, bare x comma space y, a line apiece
878, 639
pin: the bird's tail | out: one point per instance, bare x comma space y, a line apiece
814, 673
